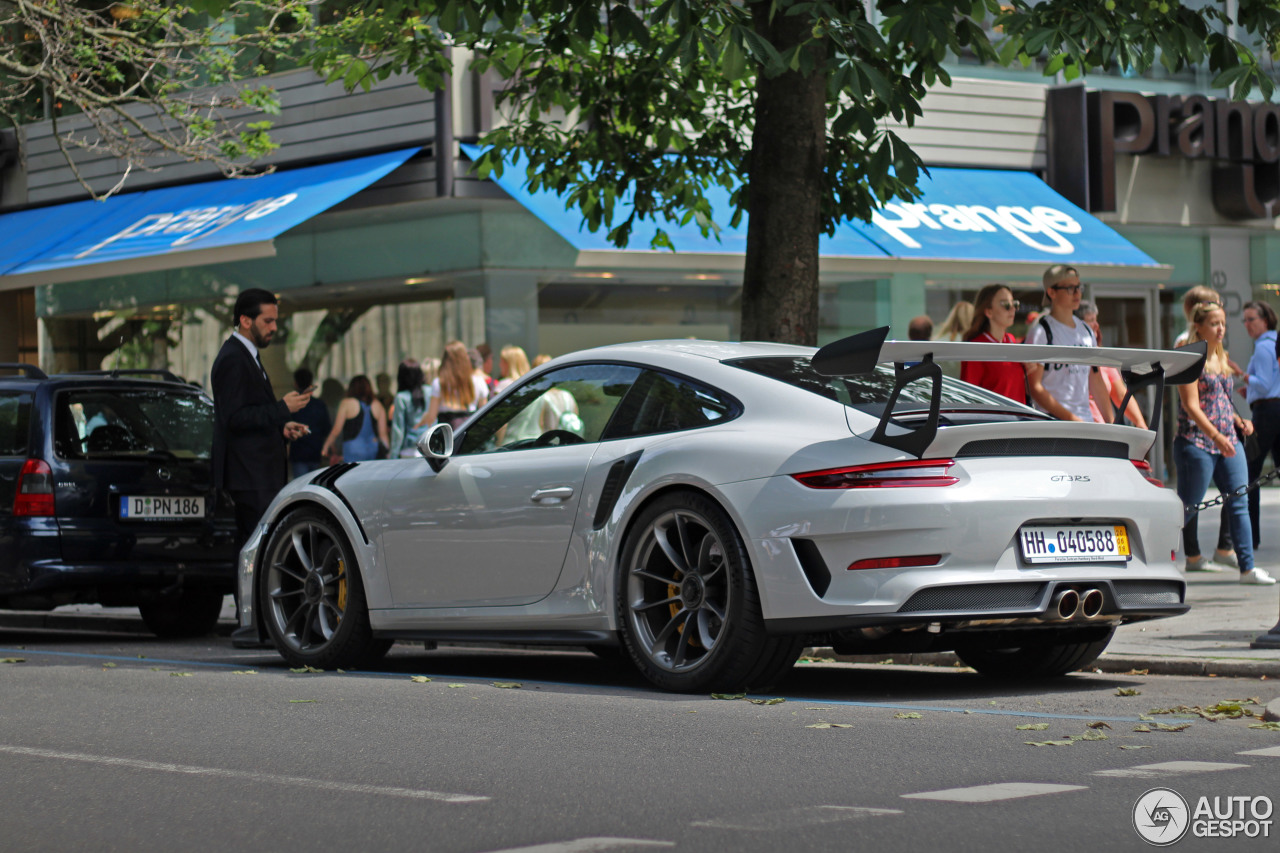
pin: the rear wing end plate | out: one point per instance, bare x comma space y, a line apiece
914, 360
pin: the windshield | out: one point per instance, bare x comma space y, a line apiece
125, 422
870, 392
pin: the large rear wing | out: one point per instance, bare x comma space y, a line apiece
860, 354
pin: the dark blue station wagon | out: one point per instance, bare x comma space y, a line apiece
106, 497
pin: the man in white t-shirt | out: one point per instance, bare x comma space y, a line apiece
1062, 390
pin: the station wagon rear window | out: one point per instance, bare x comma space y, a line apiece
133, 422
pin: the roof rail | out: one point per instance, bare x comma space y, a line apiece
117, 373
30, 369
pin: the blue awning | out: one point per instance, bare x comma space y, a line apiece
211, 222
968, 215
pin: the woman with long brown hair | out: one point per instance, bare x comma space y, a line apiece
457, 392
365, 423
994, 310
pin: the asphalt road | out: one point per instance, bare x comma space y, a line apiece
118, 742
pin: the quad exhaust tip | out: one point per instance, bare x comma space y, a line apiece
1069, 604
1091, 603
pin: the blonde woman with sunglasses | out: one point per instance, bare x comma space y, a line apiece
994, 311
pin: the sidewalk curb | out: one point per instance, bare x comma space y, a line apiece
98, 624
1116, 664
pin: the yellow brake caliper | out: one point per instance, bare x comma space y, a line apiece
673, 590
342, 588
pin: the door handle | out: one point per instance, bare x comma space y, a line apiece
552, 495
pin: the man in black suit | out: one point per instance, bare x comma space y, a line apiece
250, 443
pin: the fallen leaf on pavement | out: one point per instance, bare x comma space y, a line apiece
1033, 727
1273, 726
1166, 727
778, 700
728, 696
181, 674
108, 665
244, 672
457, 685
419, 679
302, 669
828, 726
1135, 746
1048, 742
1099, 724
509, 685
1142, 728
1128, 691
13, 660
908, 715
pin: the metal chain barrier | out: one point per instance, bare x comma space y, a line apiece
1243, 490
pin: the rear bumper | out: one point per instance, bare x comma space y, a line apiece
54, 575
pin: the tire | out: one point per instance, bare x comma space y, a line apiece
687, 602
1042, 659
190, 613
311, 598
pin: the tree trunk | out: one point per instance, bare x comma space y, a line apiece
788, 154
336, 323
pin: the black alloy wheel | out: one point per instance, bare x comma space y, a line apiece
311, 597
687, 601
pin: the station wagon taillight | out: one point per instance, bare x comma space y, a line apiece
883, 475
35, 490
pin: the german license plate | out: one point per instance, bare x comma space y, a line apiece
1093, 543
150, 508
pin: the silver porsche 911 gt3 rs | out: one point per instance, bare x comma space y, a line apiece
707, 509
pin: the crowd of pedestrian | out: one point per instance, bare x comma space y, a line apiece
1212, 443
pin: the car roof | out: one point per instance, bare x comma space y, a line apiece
681, 348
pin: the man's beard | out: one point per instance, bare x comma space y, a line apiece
259, 340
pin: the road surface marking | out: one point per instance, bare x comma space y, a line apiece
241, 775
587, 845
994, 793
1270, 750
1169, 768
795, 818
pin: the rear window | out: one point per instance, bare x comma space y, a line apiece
15, 422
123, 422
870, 392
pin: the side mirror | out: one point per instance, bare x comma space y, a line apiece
436, 444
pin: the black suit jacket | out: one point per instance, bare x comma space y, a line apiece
249, 449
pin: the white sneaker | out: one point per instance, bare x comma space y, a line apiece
1200, 564
1227, 559
1256, 577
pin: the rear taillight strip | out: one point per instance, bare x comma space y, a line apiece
1144, 468
913, 473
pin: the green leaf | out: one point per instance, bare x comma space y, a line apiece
244, 672
728, 696
13, 660
305, 669
1033, 727
508, 685
108, 665
455, 685
908, 715
628, 25
1128, 691
733, 60
775, 701
419, 679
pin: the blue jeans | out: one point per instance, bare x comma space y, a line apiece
1196, 468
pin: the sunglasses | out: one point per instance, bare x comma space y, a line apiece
1007, 305
1069, 288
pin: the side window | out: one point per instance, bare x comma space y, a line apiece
15, 421
665, 403
567, 406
